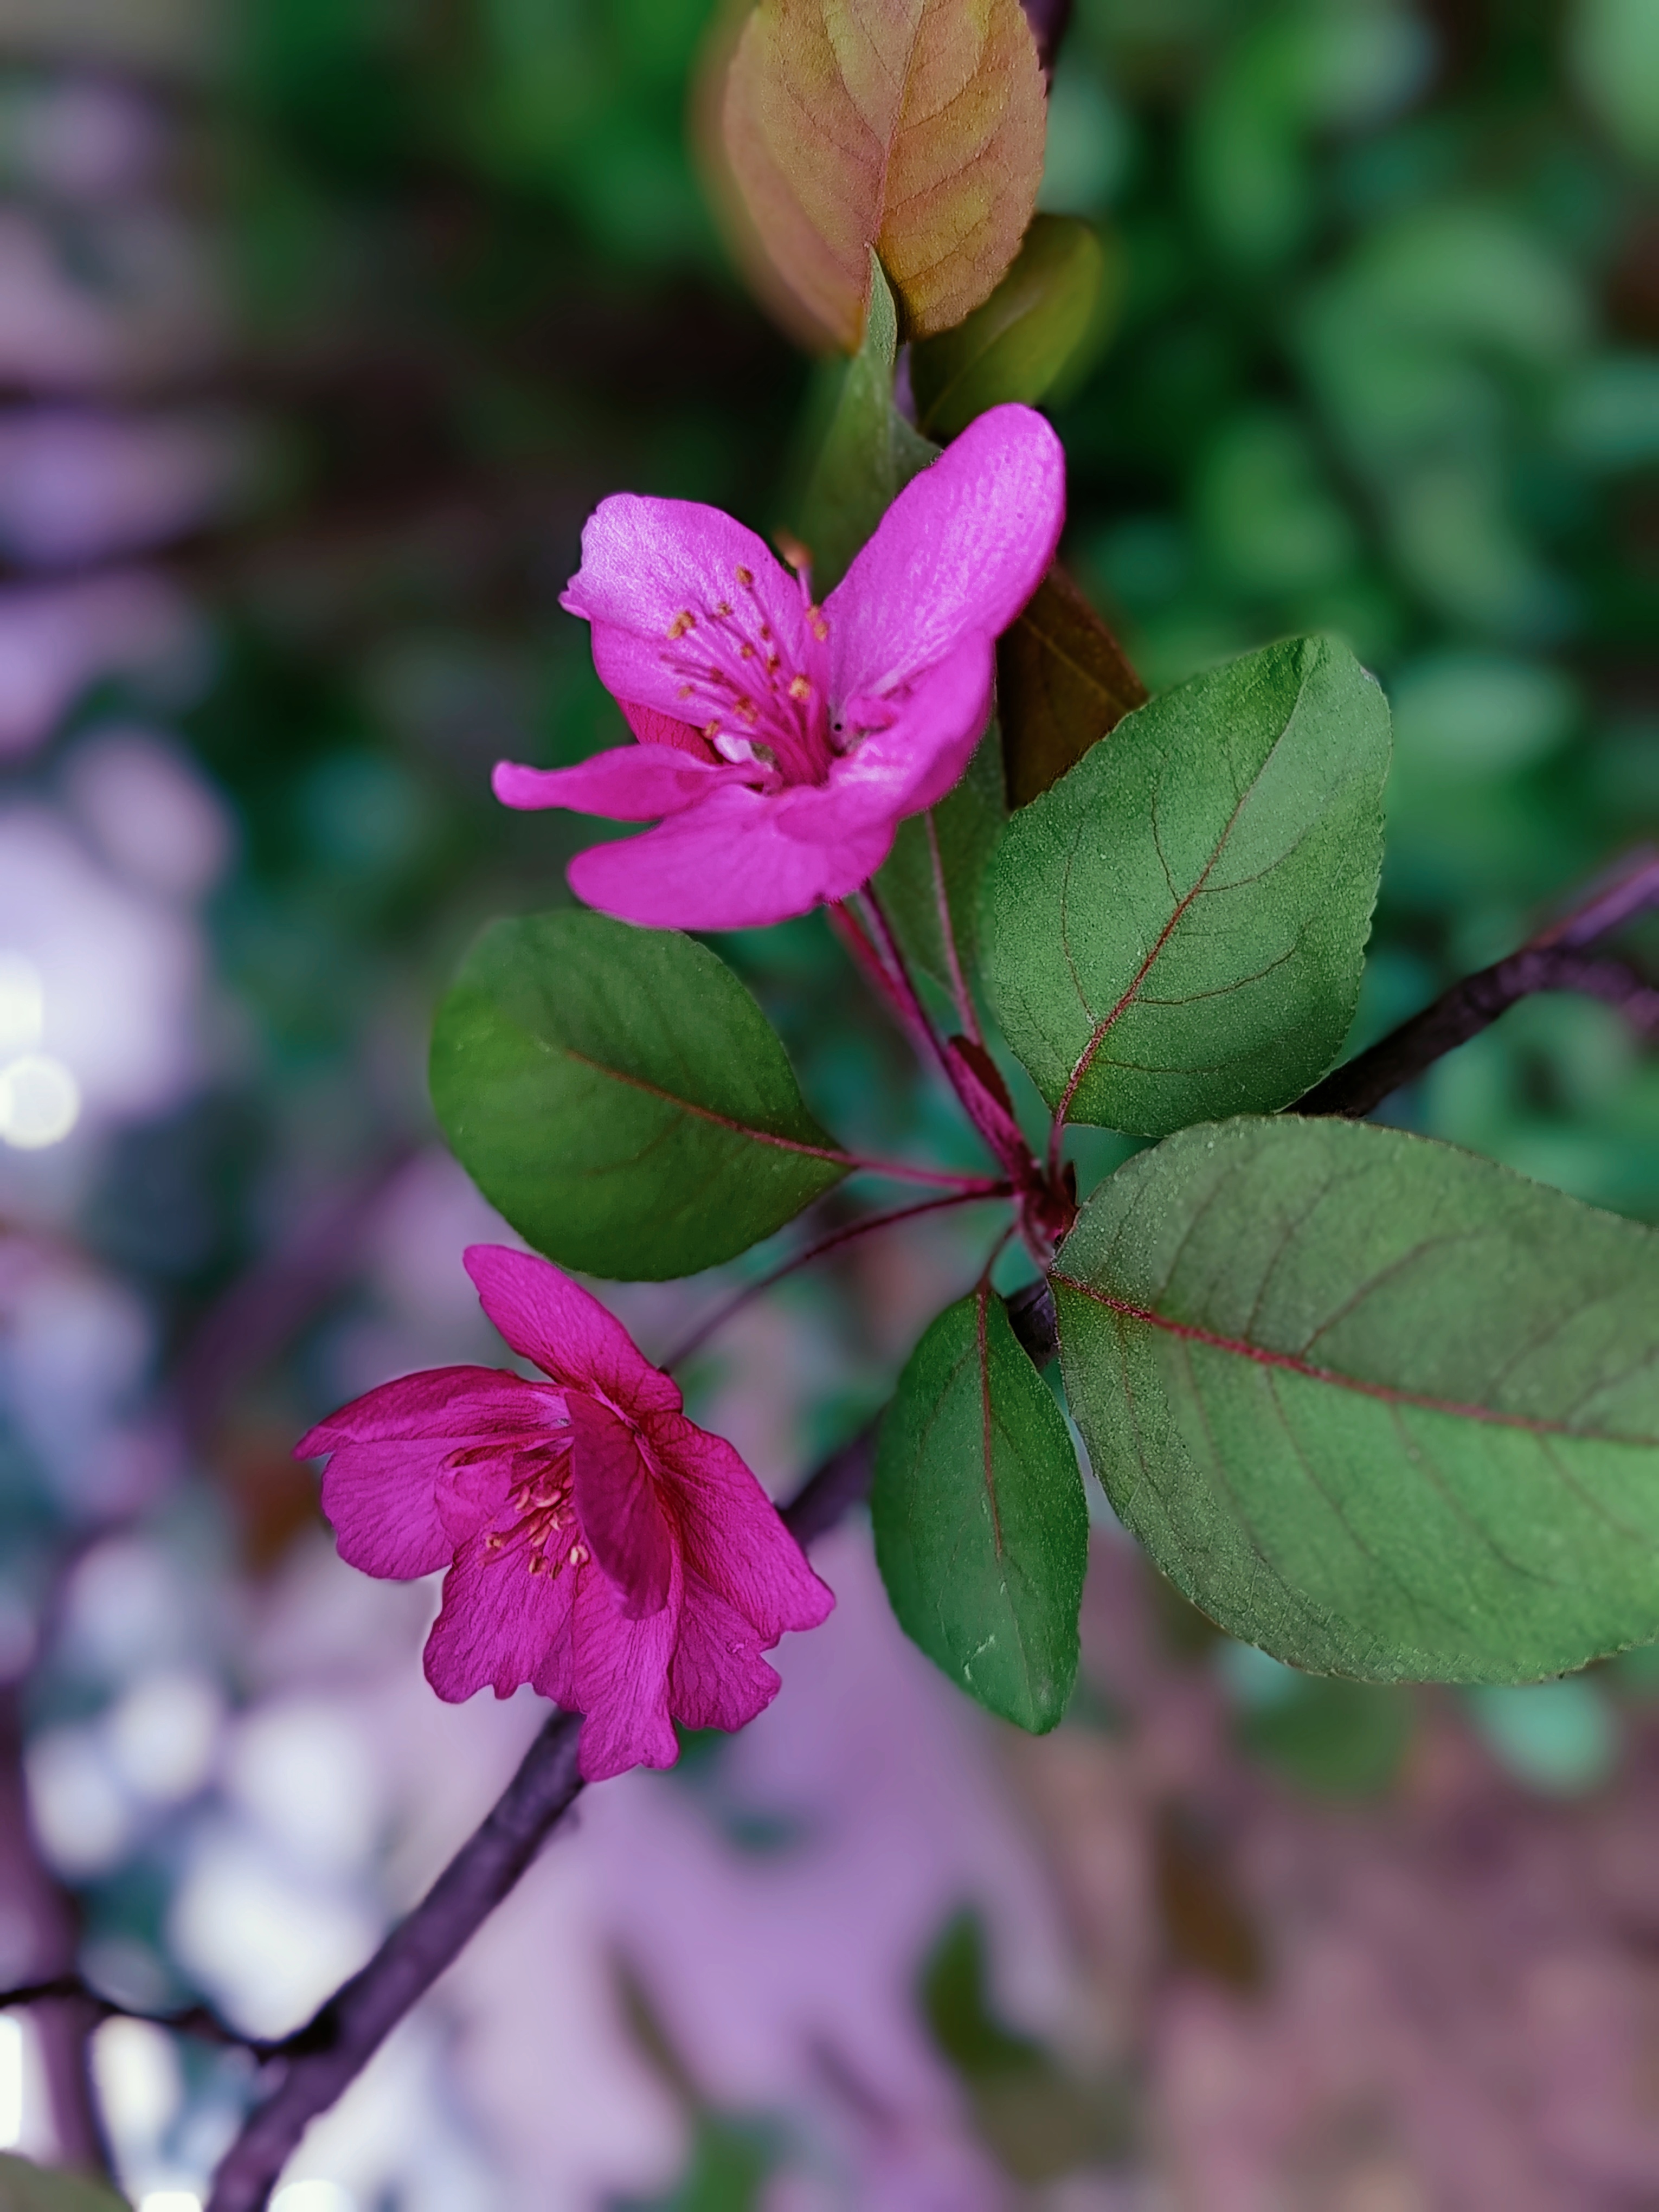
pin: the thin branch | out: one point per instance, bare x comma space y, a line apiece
904, 991
846, 1235
969, 1186
1555, 960
320, 2060
869, 964
47, 1914
190, 2019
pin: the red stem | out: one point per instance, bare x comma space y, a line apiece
722, 1314
959, 991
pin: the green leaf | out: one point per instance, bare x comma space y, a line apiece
1176, 930
622, 1099
931, 880
981, 1531
1381, 1408
28, 2188
870, 453
1062, 682
1017, 342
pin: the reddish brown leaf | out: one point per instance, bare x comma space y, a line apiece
1062, 682
913, 127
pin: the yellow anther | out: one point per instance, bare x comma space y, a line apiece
800, 688
684, 621
745, 576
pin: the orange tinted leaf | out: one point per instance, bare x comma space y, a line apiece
913, 127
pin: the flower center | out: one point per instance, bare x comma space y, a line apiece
545, 1523
740, 688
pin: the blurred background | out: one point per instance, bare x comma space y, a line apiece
323, 323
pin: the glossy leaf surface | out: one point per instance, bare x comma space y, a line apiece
1176, 930
1380, 1406
620, 1098
1063, 681
913, 127
1016, 343
981, 1531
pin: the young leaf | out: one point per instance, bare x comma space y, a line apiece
913, 127
982, 1531
622, 1099
1062, 682
1176, 930
1016, 342
869, 452
1381, 1408
931, 879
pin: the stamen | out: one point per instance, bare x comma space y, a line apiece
746, 577
800, 688
684, 621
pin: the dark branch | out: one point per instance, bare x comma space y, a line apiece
318, 2061
190, 2019
1555, 960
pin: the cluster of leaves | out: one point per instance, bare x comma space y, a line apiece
1380, 1406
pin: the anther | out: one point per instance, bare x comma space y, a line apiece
800, 688
746, 577
684, 621
577, 1555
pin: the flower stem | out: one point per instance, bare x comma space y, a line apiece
722, 1314
959, 990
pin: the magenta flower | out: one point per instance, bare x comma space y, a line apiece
598, 1545
781, 744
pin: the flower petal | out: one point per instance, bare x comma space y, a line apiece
546, 1318
729, 864
648, 563
388, 1453
629, 783
616, 1502
652, 728
498, 1621
718, 1678
620, 1678
731, 1532
907, 766
961, 548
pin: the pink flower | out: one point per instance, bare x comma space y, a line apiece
781, 744
598, 1545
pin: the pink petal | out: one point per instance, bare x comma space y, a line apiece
718, 1678
498, 1621
961, 548
616, 1502
652, 728
648, 562
730, 865
908, 766
620, 1683
388, 1449
629, 783
729, 1530
546, 1318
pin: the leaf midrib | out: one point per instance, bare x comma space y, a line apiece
1308, 1370
707, 1113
